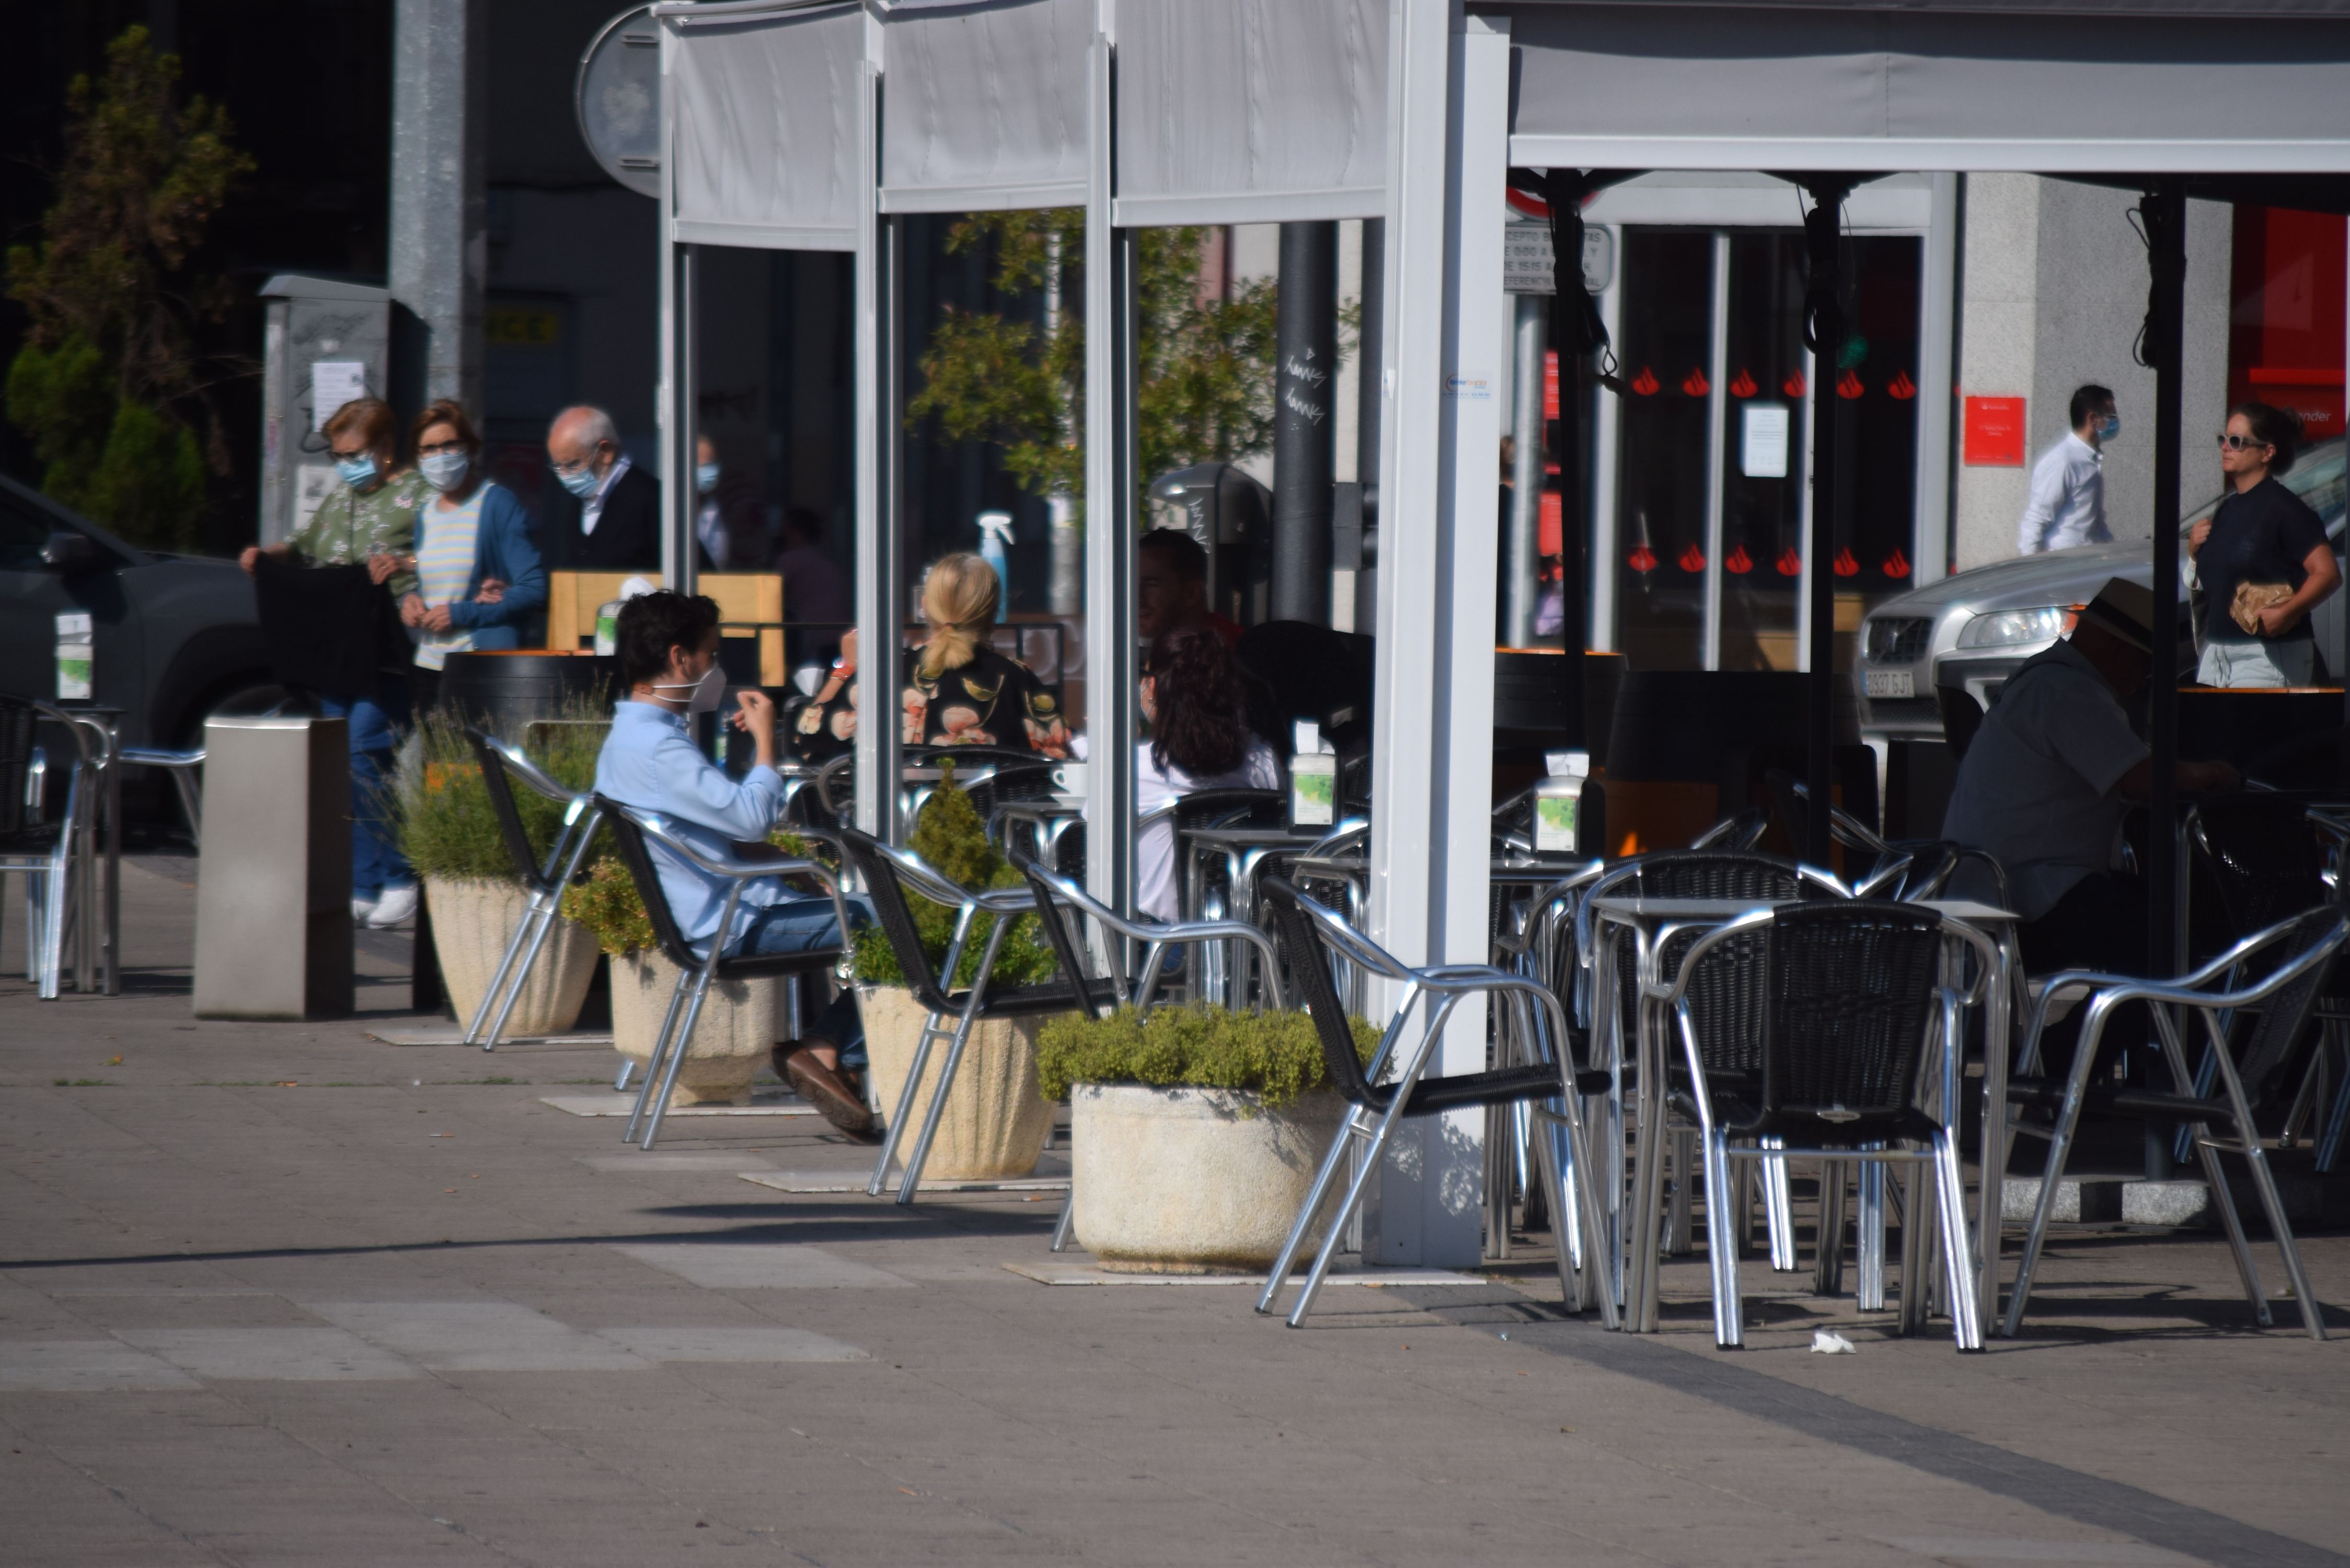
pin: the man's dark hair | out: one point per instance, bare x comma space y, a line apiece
805, 524
1181, 550
2087, 399
651, 624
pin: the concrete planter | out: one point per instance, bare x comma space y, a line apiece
473, 921
995, 1121
738, 1024
1192, 1181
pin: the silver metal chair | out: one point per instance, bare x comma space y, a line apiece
1858, 1064
2279, 1036
54, 859
501, 762
634, 833
186, 771
1396, 1085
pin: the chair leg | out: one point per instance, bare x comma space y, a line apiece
937, 1113
2312, 1316
1958, 1248
1346, 1205
491, 993
2200, 1135
1680, 1208
547, 916
1350, 1130
1869, 1289
620, 1081
1779, 1213
1575, 1199
1827, 1247
1066, 1222
2060, 1146
1722, 1219
677, 1051
1917, 1248
653, 1061
904, 1112
2337, 1120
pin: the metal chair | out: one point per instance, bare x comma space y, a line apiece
1058, 900
1741, 831
501, 762
44, 854
634, 834
1849, 1012
2277, 1039
1904, 868
1308, 931
185, 768
885, 873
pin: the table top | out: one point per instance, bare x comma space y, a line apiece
1637, 908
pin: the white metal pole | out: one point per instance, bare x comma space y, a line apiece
877, 546
1111, 671
1929, 549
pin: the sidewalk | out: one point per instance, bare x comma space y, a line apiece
283, 1294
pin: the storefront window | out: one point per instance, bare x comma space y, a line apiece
1661, 451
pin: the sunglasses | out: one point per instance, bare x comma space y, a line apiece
2234, 443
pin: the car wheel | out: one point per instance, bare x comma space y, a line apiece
248, 699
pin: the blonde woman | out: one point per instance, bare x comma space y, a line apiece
961, 691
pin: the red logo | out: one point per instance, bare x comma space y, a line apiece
1848, 386
1790, 563
1695, 384
1901, 389
1845, 567
1738, 561
1742, 385
1642, 560
1692, 559
1793, 386
1896, 565
1645, 383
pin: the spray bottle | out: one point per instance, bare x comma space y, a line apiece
994, 548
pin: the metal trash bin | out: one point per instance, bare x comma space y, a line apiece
274, 875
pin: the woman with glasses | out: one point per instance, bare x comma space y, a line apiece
2262, 559
479, 585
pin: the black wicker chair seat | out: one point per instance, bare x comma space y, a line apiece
636, 854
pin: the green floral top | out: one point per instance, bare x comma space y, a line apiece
347, 525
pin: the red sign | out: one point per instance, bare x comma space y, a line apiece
1994, 433
1551, 534
1550, 383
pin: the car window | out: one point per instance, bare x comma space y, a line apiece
24, 532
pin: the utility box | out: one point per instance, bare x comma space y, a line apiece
327, 341
274, 879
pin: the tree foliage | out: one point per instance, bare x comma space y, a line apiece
1016, 381
109, 383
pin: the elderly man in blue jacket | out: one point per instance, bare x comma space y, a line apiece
669, 658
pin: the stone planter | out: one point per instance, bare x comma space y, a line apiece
738, 1024
995, 1121
1192, 1181
473, 921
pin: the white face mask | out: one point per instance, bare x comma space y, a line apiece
706, 691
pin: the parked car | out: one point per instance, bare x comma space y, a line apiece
1975, 629
175, 638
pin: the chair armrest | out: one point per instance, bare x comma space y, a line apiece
156, 757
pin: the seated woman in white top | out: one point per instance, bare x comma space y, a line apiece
1200, 739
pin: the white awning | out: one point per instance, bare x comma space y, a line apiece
1250, 110
1714, 87
983, 106
764, 128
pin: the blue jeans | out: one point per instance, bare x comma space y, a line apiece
796, 926
376, 863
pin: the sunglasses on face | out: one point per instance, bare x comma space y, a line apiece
2235, 442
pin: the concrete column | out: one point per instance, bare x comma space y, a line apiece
440, 161
1306, 345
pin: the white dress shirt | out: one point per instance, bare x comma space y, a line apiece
592, 511
2068, 499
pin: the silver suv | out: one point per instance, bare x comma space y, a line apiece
1974, 630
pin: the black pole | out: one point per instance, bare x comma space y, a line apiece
1370, 355
2164, 212
1824, 334
1305, 338
1577, 333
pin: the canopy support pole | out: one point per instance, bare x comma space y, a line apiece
1823, 334
2163, 210
1112, 672
880, 568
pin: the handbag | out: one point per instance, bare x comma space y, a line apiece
2254, 598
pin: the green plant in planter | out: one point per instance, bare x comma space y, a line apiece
950, 838
607, 902
1276, 1055
447, 825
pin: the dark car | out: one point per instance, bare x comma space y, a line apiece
174, 637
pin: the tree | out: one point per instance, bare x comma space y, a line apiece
1207, 364
109, 383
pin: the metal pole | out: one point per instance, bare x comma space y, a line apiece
879, 548
439, 164
1824, 334
1370, 408
1522, 561
2164, 212
1303, 455
1111, 377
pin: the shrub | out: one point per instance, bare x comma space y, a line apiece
952, 840
447, 825
1277, 1055
607, 902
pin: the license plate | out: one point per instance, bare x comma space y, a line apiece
1889, 683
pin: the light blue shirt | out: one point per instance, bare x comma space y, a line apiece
650, 762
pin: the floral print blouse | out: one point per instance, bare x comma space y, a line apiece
993, 700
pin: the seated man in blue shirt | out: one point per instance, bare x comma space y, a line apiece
669, 659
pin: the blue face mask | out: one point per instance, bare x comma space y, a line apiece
357, 471
705, 477
2109, 427
580, 482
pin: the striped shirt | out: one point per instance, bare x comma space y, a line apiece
444, 570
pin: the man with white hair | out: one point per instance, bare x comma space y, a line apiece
608, 519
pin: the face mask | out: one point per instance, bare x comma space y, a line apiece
443, 470
357, 471
705, 477
580, 482
2109, 427
706, 691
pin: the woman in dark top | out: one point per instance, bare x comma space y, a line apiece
2262, 559
960, 692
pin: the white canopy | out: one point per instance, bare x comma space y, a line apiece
1250, 110
983, 106
764, 128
